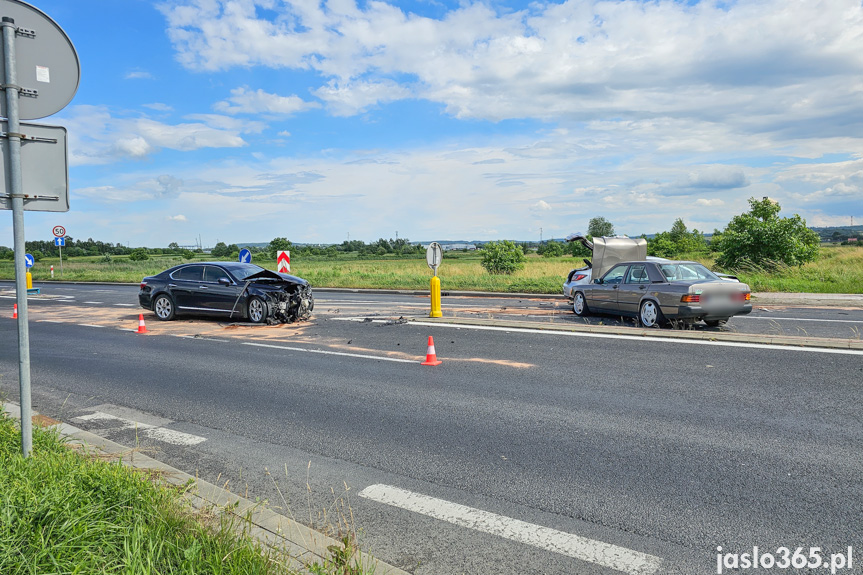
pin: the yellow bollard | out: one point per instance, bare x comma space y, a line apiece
29, 280
435, 297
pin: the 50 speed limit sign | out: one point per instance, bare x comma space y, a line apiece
59, 231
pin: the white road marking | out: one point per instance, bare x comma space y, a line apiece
159, 433
799, 319
125, 304
89, 325
644, 338
51, 321
597, 552
321, 351
94, 302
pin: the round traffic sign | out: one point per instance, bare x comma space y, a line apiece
59, 231
29, 260
45, 61
245, 256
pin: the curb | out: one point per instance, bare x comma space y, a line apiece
301, 544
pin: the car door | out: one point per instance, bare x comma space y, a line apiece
184, 286
217, 296
603, 294
633, 288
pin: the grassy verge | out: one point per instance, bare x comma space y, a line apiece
62, 512
838, 270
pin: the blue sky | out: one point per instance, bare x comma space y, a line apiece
245, 120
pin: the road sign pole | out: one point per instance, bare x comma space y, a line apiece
16, 191
60, 247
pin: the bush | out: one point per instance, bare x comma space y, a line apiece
550, 249
503, 257
139, 255
762, 239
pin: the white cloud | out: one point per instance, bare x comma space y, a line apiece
178, 218
159, 107
246, 101
138, 75
761, 66
541, 206
709, 202
98, 137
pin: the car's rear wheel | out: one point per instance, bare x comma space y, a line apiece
257, 310
579, 305
715, 322
650, 314
163, 307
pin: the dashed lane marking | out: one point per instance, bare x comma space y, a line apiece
151, 431
90, 325
798, 319
597, 552
125, 304
94, 302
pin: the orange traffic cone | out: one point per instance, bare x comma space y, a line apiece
142, 328
15, 311
431, 356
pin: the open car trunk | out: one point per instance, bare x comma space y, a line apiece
608, 251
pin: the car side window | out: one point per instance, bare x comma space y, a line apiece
615, 275
212, 274
189, 273
637, 275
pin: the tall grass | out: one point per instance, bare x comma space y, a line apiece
64, 513
838, 270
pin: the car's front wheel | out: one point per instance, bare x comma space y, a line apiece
579, 305
649, 314
257, 310
163, 307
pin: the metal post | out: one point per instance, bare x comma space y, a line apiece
61, 260
16, 191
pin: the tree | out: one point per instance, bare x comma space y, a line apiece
278, 245
676, 242
220, 250
599, 227
502, 257
762, 238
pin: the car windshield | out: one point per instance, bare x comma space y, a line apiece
686, 272
242, 271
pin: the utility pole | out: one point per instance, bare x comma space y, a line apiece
540, 236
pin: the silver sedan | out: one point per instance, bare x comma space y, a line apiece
660, 292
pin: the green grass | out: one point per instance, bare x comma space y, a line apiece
838, 270
64, 513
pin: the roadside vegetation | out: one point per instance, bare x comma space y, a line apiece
769, 252
64, 512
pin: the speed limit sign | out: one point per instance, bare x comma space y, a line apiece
59, 231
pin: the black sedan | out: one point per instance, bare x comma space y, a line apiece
231, 290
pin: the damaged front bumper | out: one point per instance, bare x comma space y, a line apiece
290, 305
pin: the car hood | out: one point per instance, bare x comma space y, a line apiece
271, 275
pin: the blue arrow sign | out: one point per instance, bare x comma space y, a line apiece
61, 242
29, 260
245, 256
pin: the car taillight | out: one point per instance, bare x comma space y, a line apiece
690, 298
143, 285
579, 277
743, 296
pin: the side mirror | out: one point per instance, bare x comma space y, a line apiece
224, 281
597, 281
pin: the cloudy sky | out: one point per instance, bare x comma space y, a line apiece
244, 120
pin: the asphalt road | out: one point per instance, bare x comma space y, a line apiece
524, 452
